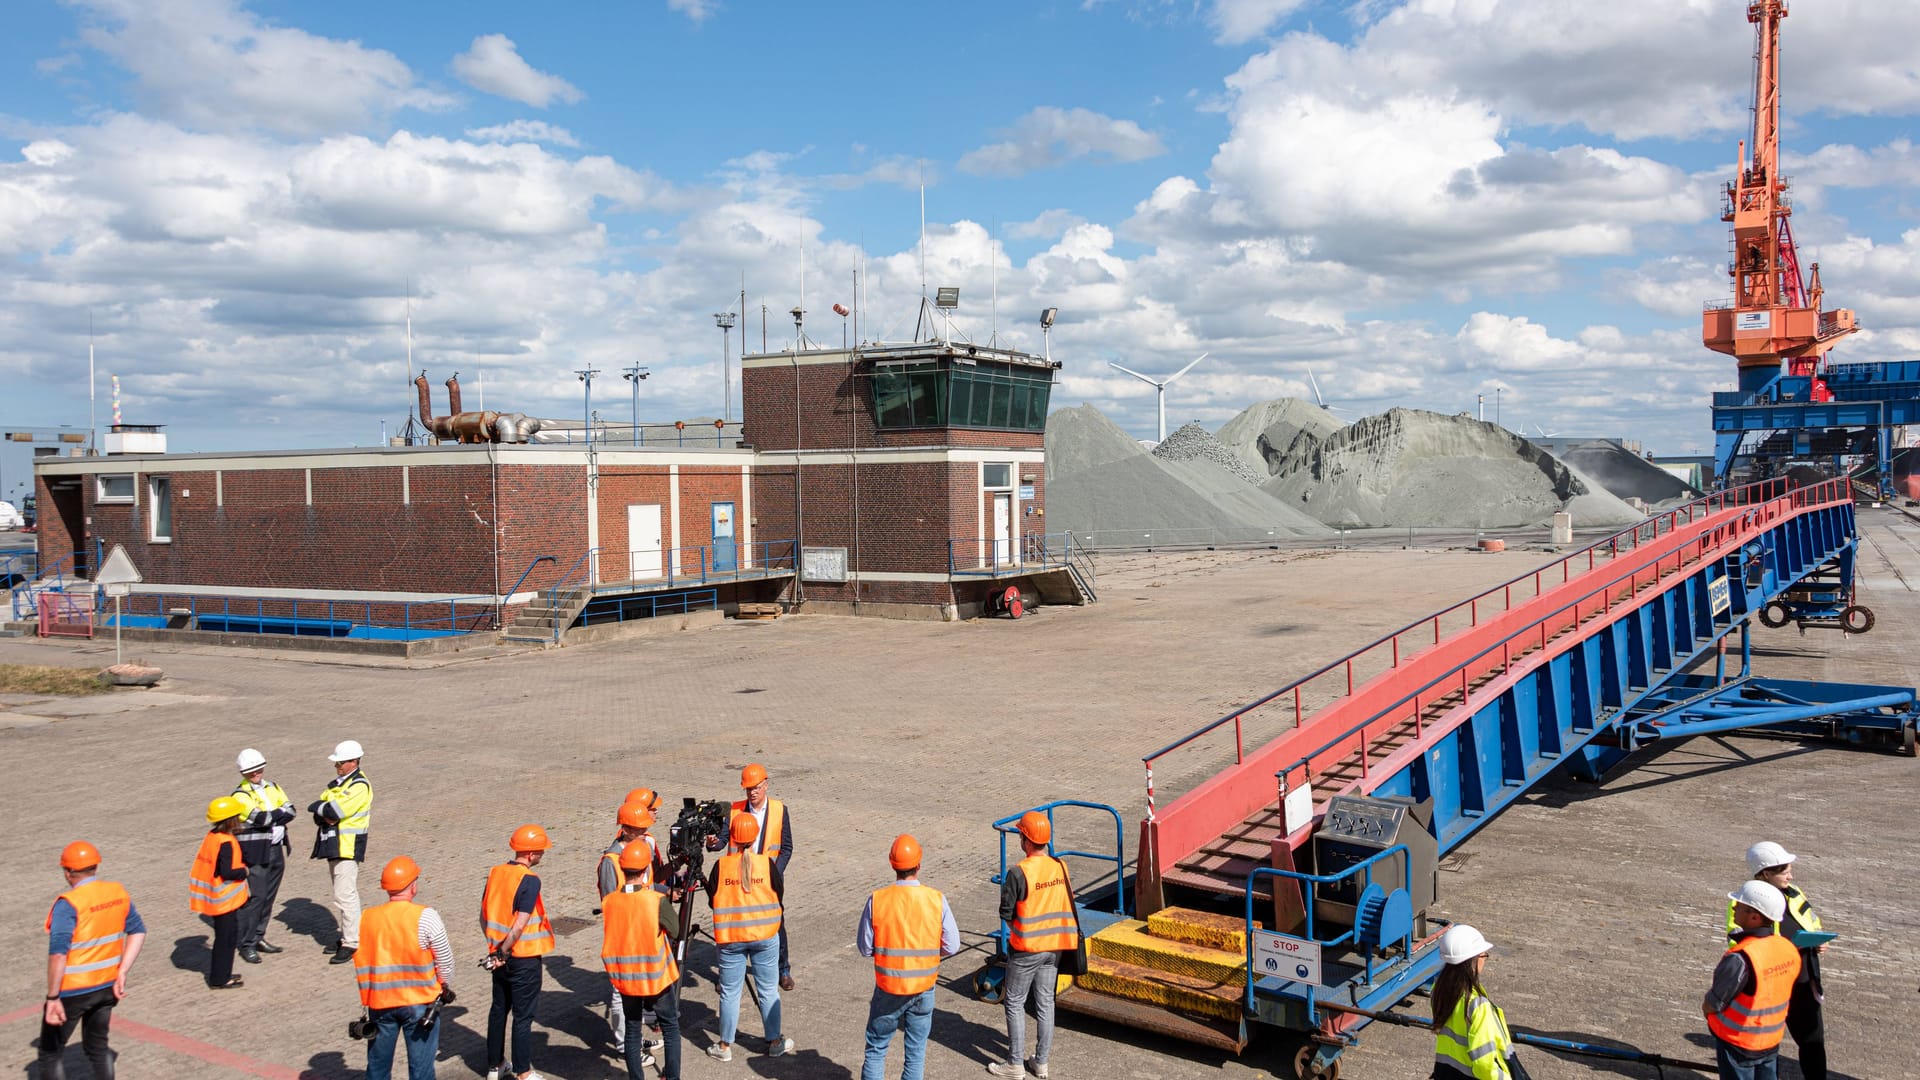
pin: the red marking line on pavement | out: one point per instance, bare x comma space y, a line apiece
180, 1044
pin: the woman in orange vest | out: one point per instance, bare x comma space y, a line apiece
1036, 903
744, 888
637, 951
513, 915
218, 888
93, 936
908, 929
1746, 1007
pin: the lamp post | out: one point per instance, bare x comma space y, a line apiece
633, 375
586, 409
1047, 315
724, 320
1496, 405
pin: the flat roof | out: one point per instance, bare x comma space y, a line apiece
392, 456
884, 351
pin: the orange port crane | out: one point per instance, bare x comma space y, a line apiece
1774, 314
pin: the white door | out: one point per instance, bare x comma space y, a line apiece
1002, 528
643, 540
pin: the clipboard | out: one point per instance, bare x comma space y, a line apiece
1811, 939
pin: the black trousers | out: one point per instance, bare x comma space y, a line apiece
226, 937
516, 990
91, 1012
263, 885
1809, 1030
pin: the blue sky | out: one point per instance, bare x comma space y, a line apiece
1420, 201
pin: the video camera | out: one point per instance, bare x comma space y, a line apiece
697, 830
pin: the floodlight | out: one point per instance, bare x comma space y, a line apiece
1047, 315
947, 296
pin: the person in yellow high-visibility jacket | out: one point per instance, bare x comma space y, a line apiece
1470, 1036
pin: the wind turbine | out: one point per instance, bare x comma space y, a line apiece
1317, 399
1160, 386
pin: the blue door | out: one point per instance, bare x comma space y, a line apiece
725, 558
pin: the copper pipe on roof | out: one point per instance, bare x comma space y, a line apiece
453, 395
426, 399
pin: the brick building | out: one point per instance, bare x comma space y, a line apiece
897, 480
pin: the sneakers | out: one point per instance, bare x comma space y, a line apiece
495, 1074
782, 1045
1002, 1068
720, 1051
653, 1042
1037, 1068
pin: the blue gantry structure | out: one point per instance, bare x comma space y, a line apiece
1849, 412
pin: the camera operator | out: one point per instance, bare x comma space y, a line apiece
637, 950
635, 818
404, 965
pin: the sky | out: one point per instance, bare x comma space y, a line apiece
1419, 203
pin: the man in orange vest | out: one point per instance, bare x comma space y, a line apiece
514, 918
93, 936
1746, 1007
637, 950
907, 929
635, 817
1036, 903
744, 888
404, 964
775, 842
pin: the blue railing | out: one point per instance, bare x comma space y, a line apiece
1351, 937
648, 606
375, 619
1009, 826
62, 575
689, 564
991, 556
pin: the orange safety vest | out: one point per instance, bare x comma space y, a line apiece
1044, 921
99, 934
633, 947
392, 967
745, 910
646, 876
768, 842
906, 938
1756, 1021
206, 894
496, 907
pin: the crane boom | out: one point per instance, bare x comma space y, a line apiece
1774, 315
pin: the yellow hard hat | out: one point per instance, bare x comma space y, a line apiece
224, 807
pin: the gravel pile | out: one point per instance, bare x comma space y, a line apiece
1195, 443
1625, 473
1407, 467
1263, 435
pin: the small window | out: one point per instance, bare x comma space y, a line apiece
114, 488
160, 509
997, 475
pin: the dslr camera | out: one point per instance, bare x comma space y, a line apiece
361, 1027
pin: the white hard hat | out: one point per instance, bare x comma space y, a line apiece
346, 751
1762, 898
1766, 854
251, 759
1462, 943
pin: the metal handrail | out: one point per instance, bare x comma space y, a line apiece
1305, 762
1034, 552
336, 610
501, 604
1008, 825
1714, 502
1353, 934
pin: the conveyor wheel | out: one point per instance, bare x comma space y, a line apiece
1856, 619
1774, 615
1305, 1067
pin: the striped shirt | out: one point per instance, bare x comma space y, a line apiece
433, 935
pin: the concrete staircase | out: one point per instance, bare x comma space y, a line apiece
1181, 972
536, 623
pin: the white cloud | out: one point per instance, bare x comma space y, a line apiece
493, 65
1050, 136
1236, 22
525, 131
697, 10
207, 64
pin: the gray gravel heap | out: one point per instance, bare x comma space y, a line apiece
1195, 443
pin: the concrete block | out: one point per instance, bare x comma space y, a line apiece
1563, 528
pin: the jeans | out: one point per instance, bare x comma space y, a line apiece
263, 885
665, 1008
226, 937
516, 990
759, 960
1738, 1064
912, 1014
422, 1047
1039, 972
91, 1012
346, 898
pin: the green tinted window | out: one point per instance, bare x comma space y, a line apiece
977, 395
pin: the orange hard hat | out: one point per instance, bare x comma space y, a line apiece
79, 855
753, 776
529, 838
905, 854
744, 829
636, 815
645, 796
400, 873
1035, 827
636, 856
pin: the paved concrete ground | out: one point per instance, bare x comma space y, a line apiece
1606, 901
